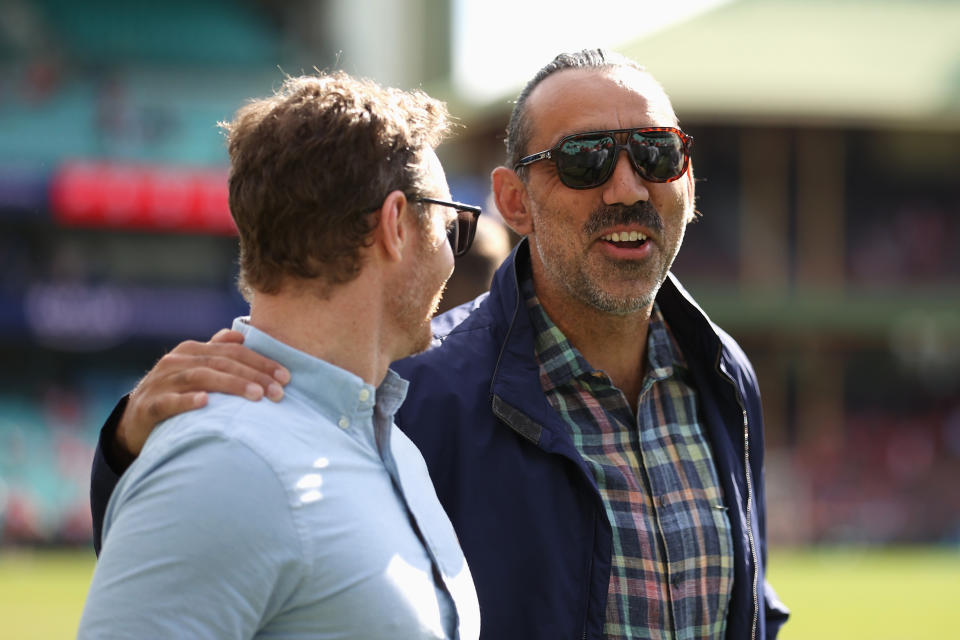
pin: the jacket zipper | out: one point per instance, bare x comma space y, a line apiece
746, 463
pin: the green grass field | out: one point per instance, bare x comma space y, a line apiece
42, 593
901, 594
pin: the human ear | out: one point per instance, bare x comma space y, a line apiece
391, 234
690, 211
510, 194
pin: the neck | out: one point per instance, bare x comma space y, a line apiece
346, 328
614, 344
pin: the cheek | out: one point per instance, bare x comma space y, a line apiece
673, 207
448, 261
548, 201
435, 235
563, 214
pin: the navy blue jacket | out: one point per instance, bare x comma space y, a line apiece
524, 505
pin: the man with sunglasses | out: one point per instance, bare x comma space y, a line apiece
313, 516
595, 439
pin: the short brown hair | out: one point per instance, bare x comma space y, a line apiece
310, 163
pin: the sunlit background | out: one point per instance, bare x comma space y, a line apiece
828, 163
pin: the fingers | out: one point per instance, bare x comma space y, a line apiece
166, 405
231, 357
198, 373
222, 365
222, 375
227, 335
146, 410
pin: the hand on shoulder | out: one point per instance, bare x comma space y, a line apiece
181, 380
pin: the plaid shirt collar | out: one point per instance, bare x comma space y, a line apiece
564, 362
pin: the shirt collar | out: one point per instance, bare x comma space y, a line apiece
563, 362
663, 354
330, 389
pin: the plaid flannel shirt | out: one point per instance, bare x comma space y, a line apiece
672, 563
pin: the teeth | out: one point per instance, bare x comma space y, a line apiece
625, 236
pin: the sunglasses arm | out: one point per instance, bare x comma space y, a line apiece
537, 157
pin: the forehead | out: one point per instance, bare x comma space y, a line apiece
576, 100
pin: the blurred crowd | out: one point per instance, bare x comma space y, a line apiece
884, 478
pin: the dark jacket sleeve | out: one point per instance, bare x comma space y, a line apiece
108, 465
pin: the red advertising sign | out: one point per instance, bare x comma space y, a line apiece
141, 197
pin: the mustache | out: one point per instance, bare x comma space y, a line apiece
641, 213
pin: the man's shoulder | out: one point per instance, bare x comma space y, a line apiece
223, 418
444, 323
463, 337
194, 466
490, 310
452, 378
201, 510
228, 427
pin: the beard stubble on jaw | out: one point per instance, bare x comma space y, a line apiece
419, 304
641, 213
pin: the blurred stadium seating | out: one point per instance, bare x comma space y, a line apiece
114, 232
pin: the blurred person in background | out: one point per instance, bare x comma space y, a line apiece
596, 440
311, 516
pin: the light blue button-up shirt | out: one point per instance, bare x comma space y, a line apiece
313, 517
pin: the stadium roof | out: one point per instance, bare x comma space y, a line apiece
881, 61
852, 62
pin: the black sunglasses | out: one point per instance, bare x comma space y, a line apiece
587, 160
461, 231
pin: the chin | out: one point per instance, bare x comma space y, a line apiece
418, 343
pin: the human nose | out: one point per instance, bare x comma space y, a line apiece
625, 185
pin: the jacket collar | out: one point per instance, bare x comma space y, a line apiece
690, 323
515, 378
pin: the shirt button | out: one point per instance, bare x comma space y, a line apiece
364, 395
344, 423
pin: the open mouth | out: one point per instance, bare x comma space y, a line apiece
625, 239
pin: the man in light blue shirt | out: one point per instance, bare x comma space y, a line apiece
327, 524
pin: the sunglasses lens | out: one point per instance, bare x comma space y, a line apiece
659, 155
586, 161
461, 231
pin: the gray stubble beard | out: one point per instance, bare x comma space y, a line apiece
579, 285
